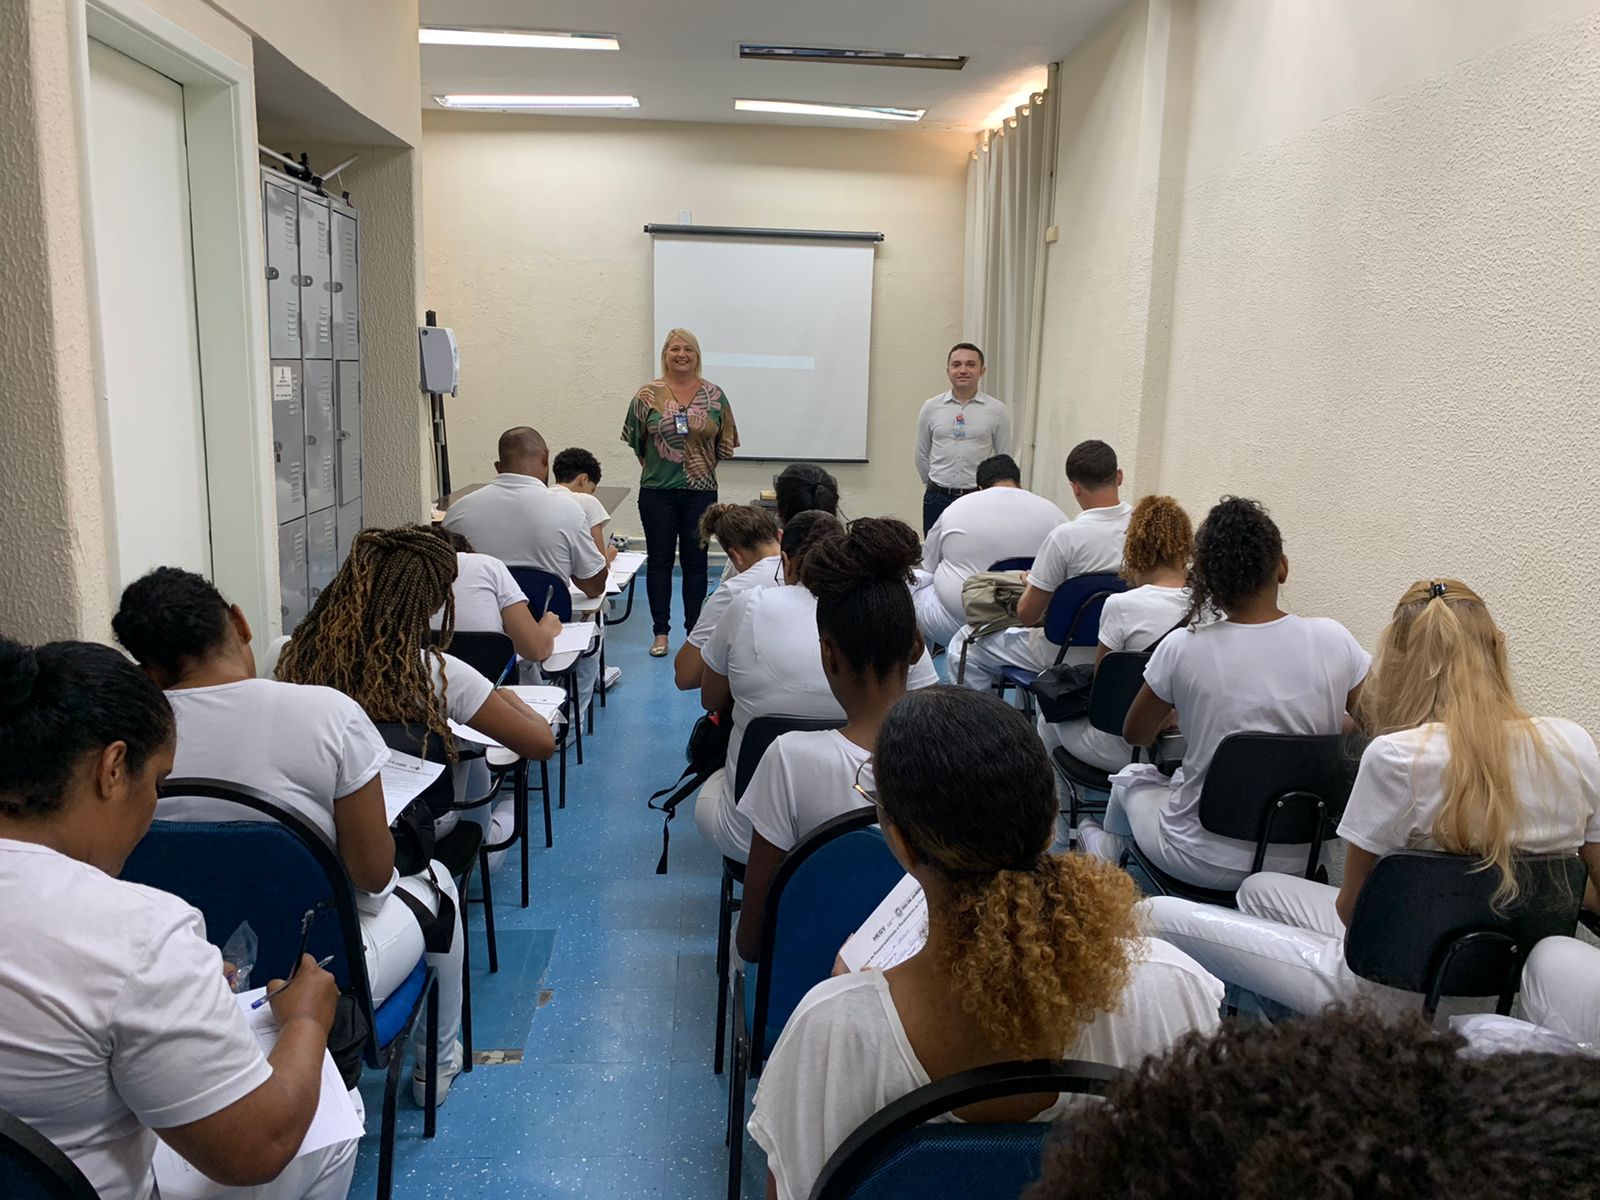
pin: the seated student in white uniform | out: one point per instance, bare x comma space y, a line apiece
765, 659
1258, 670
749, 538
1155, 562
799, 487
577, 474
367, 636
999, 520
518, 519
1029, 954
488, 600
311, 749
1090, 544
1457, 765
119, 1026
868, 633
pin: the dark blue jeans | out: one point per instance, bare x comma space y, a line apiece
671, 519
934, 501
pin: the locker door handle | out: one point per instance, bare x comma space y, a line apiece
277, 452
272, 273
334, 286
304, 281
343, 434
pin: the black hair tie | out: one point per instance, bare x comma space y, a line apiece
1436, 590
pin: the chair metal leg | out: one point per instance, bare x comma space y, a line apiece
430, 1089
563, 803
724, 953
521, 786
736, 1122
577, 718
488, 912
602, 681
391, 1087
549, 832
466, 990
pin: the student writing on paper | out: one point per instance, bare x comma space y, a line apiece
310, 749
118, 1025
488, 600
1029, 954
867, 630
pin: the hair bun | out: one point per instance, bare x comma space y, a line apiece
19, 672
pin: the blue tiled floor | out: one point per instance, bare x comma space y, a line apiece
605, 984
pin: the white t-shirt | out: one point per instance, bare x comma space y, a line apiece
520, 521
844, 1055
594, 513
803, 780
117, 1020
1292, 675
1090, 544
978, 530
483, 590
305, 747
1399, 791
766, 572
767, 647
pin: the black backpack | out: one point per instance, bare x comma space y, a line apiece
707, 753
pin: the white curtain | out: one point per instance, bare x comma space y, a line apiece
1010, 194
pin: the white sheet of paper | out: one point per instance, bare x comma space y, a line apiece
335, 1120
626, 564
896, 930
574, 638
405, 777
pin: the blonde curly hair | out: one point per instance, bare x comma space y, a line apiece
1160, 534
1042, 943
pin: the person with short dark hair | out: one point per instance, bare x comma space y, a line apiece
577, 473
749, 537
957, 430
1331, 1108
1000, 520
1089, 544
119, 1024
1028, 954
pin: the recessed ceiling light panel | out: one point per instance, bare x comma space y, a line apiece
806, 108
524, 102
520, 39
860, 58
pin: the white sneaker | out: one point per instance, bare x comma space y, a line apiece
613, 676
448, 1070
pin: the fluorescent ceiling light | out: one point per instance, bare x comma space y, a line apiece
804, 108
519, 39
537, 101
865, 58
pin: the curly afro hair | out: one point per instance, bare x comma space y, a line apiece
1236, 554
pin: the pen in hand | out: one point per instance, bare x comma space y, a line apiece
260, 1000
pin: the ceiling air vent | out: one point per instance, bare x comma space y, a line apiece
860, 58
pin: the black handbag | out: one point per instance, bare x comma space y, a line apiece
414, 837
1063, 691
707, 753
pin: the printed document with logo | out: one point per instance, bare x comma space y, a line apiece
896, 930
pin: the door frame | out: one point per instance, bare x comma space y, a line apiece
229, 283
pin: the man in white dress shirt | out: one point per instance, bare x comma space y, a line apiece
1000, 520
1091, 544
956, 431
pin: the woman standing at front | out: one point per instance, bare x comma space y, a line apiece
680, 426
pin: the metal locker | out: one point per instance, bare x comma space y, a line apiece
288, 440
346, 281
322, 550
316, 295
281, 211
349, 525
322, 445
292, 579
349, 435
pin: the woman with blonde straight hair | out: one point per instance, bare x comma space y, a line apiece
1456, 764
679, 426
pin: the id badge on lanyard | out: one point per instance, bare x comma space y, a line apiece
961, 425
680, 423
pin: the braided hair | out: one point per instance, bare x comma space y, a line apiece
860, 578
1236, 553
367, 635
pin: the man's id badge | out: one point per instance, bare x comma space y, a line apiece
680, 424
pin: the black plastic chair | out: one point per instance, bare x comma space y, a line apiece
1025, 563
1072, 620
897, 1155
270, 870
488, 652
1117, 681
757, 736
820, 894
544, 589
1268, 789
1426, 922
32, 1167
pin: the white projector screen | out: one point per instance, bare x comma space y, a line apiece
784, 327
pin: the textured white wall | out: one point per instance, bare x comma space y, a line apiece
1383, 278
535, 255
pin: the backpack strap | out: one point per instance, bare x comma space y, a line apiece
686, 785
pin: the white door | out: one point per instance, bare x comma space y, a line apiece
145, 265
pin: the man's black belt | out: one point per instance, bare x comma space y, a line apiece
944, 491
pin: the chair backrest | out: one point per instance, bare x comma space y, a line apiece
422, 742
32, 1167
897, 1155
1277, 788
267, 869
488, 652
1073, 618
822, 891
1025, 563
542, 588
1117, 681
760, 733
1425, 921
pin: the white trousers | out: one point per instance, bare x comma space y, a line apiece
392, 941
719, 819
1561, 989
1285, 942
938, 626
1086, 743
